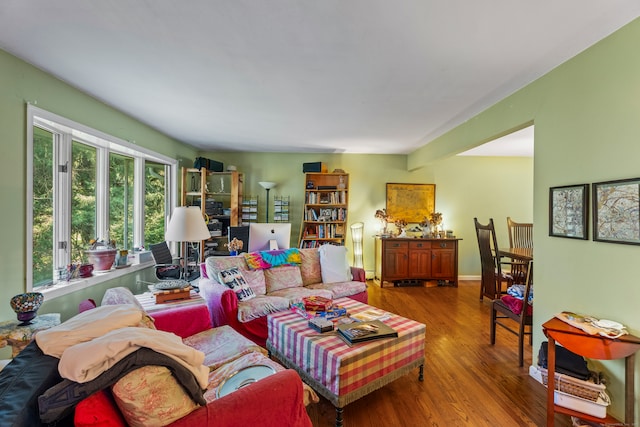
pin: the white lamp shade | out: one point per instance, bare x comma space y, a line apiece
267, 185
187, 225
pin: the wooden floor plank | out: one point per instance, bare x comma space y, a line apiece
467, 382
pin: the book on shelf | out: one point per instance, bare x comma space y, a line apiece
357, 332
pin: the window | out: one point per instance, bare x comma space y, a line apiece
83, 185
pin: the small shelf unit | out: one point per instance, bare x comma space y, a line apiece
219, 195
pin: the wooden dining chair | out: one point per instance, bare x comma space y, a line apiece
494, 280
515, 315
520, 234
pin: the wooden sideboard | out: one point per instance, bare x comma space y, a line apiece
401, 260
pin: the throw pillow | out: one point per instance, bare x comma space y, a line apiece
282, 278
269, 259
234, 279
333, 264
98, 410
151, 396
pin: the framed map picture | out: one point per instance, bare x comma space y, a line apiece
569, 211
411, 202
616, 211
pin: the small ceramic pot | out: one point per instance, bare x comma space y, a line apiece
86, 270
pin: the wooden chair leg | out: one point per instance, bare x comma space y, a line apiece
493, 325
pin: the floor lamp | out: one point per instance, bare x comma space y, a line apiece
186, 225
267, 185
357, 230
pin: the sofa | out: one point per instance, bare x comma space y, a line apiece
33, 392
277, 280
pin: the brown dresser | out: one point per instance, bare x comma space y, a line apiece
412, 260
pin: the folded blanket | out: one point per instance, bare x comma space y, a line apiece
60, 399
84, 362
87, 326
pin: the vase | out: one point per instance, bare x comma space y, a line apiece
233, 253
102, 259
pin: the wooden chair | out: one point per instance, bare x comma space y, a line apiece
520, 234
493, 278
508, 309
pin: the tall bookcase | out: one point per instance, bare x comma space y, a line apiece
219, 195
324, 217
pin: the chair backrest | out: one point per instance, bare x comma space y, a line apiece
240, 232
520, 234
528, 288
161, 253
488, 246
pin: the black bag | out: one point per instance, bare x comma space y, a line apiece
567, 362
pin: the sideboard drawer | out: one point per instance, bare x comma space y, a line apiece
420, 244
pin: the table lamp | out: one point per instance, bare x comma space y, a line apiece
186, 225
267, 185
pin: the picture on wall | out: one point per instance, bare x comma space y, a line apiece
410, 202
616, 211
569, 211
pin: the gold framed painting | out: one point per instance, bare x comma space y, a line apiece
411, 202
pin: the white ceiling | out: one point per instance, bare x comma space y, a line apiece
515, 144
354, 76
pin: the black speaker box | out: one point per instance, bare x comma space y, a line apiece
314, 167
211, 165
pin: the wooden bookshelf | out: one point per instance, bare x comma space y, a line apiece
324, 215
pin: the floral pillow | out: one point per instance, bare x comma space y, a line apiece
151, 396
234, 279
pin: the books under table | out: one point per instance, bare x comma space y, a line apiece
357, 332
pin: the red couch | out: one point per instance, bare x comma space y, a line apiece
224, 305
273, 401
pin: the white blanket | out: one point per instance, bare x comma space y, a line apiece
87, 326
85, 361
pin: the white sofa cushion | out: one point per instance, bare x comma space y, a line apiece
333, 264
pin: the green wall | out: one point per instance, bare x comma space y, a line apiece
21, 83
587, 125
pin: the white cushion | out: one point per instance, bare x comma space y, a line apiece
333, 264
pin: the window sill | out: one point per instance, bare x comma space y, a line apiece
64, 288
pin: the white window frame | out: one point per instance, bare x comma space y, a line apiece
65, 131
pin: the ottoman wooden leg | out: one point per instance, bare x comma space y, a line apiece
338, 417
421, 374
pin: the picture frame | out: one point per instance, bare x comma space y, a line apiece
411, 202
616, 211
569, 211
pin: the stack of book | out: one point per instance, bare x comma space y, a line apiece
356, 332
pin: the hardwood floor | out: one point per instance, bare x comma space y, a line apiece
467, 382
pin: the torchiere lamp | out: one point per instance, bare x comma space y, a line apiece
186, 225
267, 185
357, 230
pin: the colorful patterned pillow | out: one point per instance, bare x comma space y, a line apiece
234, 279
151, 396
269, 259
